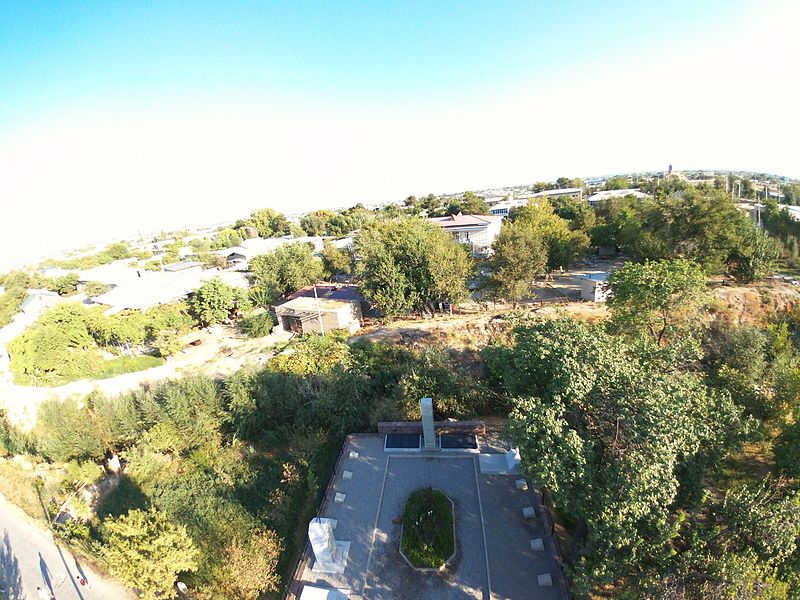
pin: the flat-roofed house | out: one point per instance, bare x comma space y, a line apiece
321, 308
478, 231
606, 194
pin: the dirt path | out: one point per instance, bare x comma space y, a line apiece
30, 558
222, 351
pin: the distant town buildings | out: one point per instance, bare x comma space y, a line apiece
604, 195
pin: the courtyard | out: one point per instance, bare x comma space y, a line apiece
494, 556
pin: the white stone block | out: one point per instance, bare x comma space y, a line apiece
339, 498
537, 544
545, 580
428, 433
347, 475
512, 459
320, 534
353, 454
521, 484
528, 512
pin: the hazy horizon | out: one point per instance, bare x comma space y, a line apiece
118, 118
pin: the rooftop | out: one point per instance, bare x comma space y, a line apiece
460, 220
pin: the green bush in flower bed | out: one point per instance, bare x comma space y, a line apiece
428, 536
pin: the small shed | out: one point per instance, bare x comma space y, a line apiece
594, 287
321, 308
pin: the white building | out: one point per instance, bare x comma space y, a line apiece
163, 287
604, 195
503, 208
594, 287
479, 231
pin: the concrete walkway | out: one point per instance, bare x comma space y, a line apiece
29, 558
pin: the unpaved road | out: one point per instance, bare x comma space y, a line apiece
29, 558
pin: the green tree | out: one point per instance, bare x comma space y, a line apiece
95, 288
335, 261
408, 264
286, 269
56, 348
655, 299
316, 223
66, 285
605, 430
147, 551
470, 204
619, 182
227, 238
269, 223
757, 258
215, 301
65, 432
563, 245
251, 568
787, 450
519, 256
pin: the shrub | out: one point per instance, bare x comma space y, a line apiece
787, 450
127, 364
147, 551
258, 324
428, 538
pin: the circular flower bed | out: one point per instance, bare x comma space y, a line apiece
428, 540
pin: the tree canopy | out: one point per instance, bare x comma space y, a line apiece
409, 263
216, 301
655, 298
147, 551
286, 269
606, 433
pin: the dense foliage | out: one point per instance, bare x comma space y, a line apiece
239, 463
410, 264
215, 301
286, 269
702, 225
68, 341
428, 539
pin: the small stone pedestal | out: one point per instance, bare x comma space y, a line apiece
330, 556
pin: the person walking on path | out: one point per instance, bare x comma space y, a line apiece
45, 594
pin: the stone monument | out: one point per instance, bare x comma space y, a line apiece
428, 433
330, 556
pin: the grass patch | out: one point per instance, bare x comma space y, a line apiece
428, 538
128, 364
18, 484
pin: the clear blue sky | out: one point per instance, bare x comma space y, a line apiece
57, 55
124, 115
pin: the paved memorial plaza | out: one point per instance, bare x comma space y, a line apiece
494, 557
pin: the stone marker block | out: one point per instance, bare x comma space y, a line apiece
537, 544
528, 512
521, 484
545, 580
512, 459
353, 454
428, 433
339, 498
347, 475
